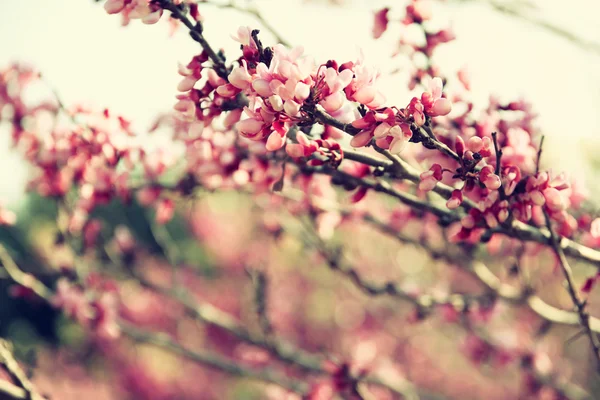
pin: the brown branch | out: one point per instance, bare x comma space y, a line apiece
284, 351
434, 143
196, 31
584, 317
256, 14
516, 229
20, 277
481, 272
554, 29
17, 374
384, 187
260, 282
8, 391
213, 361
424, 303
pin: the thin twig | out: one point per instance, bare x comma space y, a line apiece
260, 282
213, 361
584, 317
516, 229
16, 373
20, 277
554, 29
196, 31
254, 12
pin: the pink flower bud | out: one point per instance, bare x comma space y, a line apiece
152, 18
493, 182
475, 144
114, 6
275, 141
380, 22
186, 84
430, 178
333, 102
302, 91
262, 87
227, 90
468, 222
276, 102
491, 220
239, 77
361, 139
381, 130
249, 127
554, 200
165, 209
365, 95
442, 106
294, 150
291, 108
455, 200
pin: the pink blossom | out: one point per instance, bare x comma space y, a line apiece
433, 102
430, 178
455, 199
380, 22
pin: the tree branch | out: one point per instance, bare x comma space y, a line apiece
17, 374
196, 31
212, 361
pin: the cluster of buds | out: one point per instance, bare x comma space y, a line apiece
283, 88
202, 102
330, 150
391, 128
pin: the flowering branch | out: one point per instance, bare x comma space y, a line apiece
516, 230
584, 317
260, 283
561, 32
196, 30
284, 351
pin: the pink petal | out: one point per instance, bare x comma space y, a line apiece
275, 141
365, 95
435, 87
361, 139
380, 22
262, 87
442, 106
249, 126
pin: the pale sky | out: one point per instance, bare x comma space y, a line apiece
87, 56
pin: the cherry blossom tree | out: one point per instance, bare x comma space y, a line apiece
305, 238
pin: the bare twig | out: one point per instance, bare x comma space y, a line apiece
20, 277
8, 391
256, 14
260, 282
213, 361
584, 317
196, 31
547, 26
516, 229
16, 373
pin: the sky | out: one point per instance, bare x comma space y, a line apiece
88, 57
